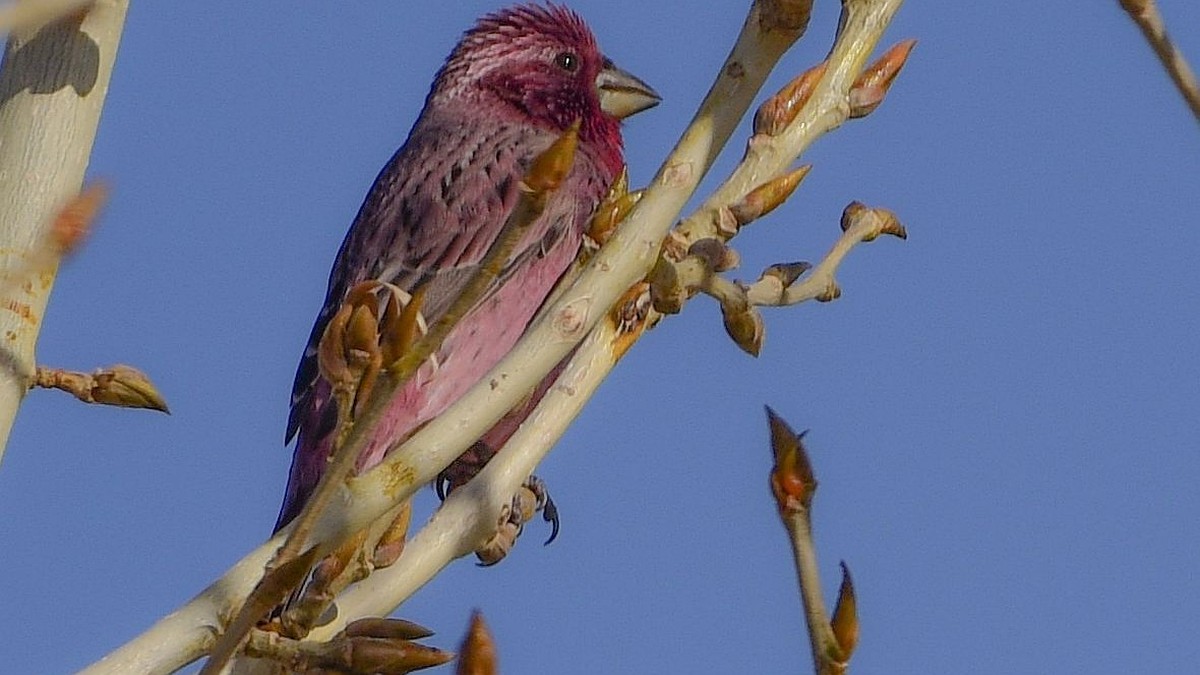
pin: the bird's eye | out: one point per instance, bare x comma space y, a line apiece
567, 61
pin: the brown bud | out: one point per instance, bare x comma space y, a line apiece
745, 327
845, 616
878, 221
768, 196
777, 112
378, 655
667, 293
74, 220
792, 480
362, 330
386, 628
402, 324
716, 254
478, 649
127, 387
890, 224
610, 214
869, 90
787, 273
629, 317
853, 211
619, 186
331, 352
391, 543
550, 168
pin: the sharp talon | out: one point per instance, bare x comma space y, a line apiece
550, 515
440, 484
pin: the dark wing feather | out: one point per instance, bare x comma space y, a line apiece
429, 218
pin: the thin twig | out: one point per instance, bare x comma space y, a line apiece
859, 224
121, 386
794, 485
1147, 17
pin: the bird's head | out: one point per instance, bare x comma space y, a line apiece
542, 63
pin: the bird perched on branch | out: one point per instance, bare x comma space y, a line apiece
515, 82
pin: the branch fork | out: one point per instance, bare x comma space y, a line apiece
597, 308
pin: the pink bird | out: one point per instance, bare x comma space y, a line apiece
514, 83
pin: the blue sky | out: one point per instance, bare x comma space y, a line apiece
1003, 408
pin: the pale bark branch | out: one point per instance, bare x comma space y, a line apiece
794, 484
52, 87
471, 513
1147, 17
22, 15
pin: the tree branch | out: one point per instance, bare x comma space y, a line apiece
1147, 17
793, 485
52, 87
469, 515
621, 262
23, 15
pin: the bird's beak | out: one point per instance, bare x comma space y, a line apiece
622, 94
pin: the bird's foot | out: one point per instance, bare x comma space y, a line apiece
532, 498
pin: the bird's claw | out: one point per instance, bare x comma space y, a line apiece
543, 503
530, 499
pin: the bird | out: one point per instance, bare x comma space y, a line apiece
515, 82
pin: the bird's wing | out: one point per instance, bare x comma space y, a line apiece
428, 220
